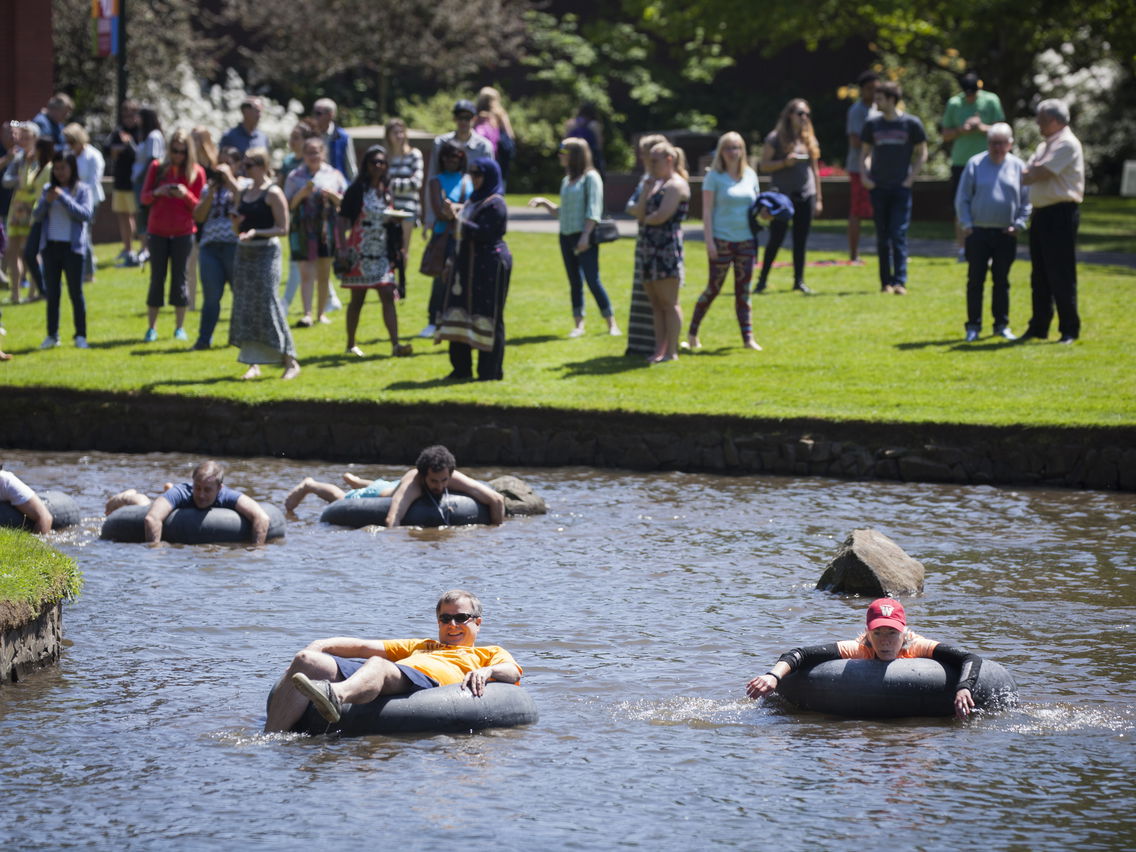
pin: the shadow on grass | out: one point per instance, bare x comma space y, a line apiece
956, 345
325, 362
536, 338
789, 291
605, 365
425, 384
150, 387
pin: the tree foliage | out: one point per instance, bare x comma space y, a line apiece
161, 38
305, 43
1000, 38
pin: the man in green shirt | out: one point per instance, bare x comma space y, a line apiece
968, 117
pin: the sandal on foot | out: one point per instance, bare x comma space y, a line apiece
402, 350
320, 693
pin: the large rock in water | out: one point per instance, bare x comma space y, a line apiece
871, 564
520, 499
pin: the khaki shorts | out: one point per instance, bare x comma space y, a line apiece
123, 201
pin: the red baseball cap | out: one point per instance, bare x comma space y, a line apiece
887, 612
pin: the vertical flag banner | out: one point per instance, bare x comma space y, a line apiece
105, 18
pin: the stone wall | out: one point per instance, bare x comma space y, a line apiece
31, 645
373, 433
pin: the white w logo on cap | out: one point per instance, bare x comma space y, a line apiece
887, 610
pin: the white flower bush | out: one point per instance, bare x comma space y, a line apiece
218, 107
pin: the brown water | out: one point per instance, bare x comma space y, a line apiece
638, 609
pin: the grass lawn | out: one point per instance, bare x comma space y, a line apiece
847, 352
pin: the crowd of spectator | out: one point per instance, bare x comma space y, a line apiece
199, 209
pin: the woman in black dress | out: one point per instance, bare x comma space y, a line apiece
474, 312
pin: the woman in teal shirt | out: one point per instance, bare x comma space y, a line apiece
580, 210
728, 191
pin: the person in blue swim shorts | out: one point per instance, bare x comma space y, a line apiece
329, 492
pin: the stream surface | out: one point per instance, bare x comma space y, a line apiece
638, 608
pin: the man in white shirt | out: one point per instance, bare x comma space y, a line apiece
1056, 177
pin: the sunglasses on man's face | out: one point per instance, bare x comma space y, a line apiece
455, 617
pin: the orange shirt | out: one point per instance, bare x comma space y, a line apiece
444, 663
850, 649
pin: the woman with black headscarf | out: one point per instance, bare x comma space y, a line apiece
474, 313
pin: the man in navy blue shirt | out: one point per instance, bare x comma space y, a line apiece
206, 492
893, 148
245, 135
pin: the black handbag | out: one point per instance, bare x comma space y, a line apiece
605, 231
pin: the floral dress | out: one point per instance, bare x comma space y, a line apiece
369, 238
659, 249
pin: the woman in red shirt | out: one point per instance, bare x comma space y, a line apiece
172, 190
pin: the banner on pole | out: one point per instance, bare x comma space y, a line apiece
105, 19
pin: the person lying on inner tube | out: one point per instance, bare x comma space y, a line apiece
434, 474
329, 492
341, 670
205, 492
23, 499
887, 638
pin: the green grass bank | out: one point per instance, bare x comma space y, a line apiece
34, 581
32, 574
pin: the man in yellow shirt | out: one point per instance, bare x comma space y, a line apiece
332, 672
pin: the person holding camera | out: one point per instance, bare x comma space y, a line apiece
791, 157
65, 210
217, 251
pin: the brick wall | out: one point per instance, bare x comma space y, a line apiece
27, 58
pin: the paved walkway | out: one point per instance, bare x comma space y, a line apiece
533, 221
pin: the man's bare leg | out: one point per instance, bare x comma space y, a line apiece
377, 677
287, 705
324, 490
853, 238
356, 481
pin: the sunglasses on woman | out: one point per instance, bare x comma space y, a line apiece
455, 617
179, 150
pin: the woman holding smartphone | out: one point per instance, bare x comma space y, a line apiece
65, 211
791, 158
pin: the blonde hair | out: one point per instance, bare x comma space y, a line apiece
579, 156
204, 147
865, 639
259, 155
787, 137
391, 125
489, 101
719, 164
646, 143
180, 136
76, 133
669, 150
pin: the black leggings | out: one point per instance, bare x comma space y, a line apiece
803, 207
174, 253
